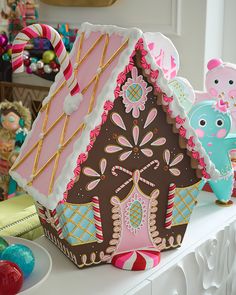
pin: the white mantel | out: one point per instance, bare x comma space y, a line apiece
205, 263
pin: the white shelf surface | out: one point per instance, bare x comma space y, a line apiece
206, 222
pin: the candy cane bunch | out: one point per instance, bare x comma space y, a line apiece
45, 31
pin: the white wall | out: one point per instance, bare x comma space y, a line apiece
191, 42
150, 15
214, 30
181, 20
194, 26
229, 38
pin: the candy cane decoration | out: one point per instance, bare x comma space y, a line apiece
45, 31
56, 223
97, 218
41, 213
113, 171
170, 206
150, 164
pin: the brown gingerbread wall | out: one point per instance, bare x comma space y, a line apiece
109, 183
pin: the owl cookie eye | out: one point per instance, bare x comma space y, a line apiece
202, 122
219, 122
216, 81
231, 82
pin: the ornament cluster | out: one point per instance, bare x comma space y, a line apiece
16, 264
45, 65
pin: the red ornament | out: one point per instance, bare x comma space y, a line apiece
40, 72
2, 50
53, 64
27, 62
11, 278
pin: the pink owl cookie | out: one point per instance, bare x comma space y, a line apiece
220, 84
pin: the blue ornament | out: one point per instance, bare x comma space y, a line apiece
6, 57
34, 59
211, 121
20, 255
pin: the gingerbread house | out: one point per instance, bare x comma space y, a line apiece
116, 175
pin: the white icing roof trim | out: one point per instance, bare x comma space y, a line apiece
94, 118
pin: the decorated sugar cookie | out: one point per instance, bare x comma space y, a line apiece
212, 123
166, 57
220, 84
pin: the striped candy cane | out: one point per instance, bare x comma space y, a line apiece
45, 31
56, 223
97, 217
170, 206
41, 212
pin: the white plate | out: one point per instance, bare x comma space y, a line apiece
42, 268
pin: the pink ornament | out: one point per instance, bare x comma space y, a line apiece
28, 70
3, 40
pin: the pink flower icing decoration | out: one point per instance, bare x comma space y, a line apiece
136, 146
92, 173
127, 148
134, 93
177, 159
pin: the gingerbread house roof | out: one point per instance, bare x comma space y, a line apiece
49, 155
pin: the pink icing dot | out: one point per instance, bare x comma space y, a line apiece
221, 133
213, 91
200, 133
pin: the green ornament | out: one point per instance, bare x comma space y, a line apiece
3, 245
48, 56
